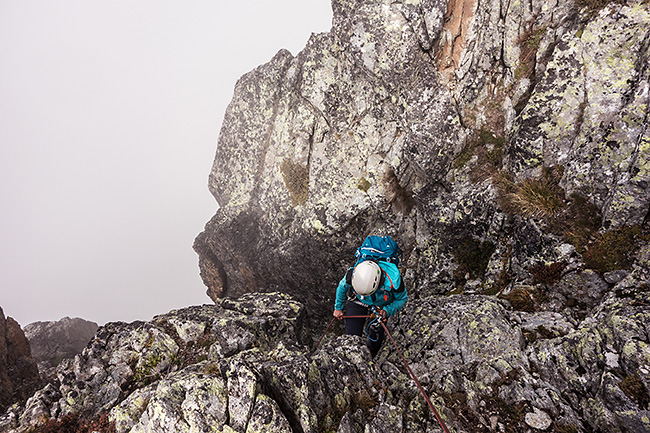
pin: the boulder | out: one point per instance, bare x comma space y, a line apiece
244, 366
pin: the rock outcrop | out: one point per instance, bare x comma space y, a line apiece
52, 342
246, 365
19, 376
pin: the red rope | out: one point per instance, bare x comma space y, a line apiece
415, 379
424, 394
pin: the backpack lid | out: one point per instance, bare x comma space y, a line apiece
379, 248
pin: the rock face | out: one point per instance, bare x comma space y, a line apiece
19, 376
51, 342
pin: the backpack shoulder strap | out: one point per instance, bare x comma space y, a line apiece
401, 287
348, 276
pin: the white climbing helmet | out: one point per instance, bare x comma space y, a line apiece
366, 277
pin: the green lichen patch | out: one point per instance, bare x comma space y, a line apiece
615, 249
296, 179
363, 184
634, 388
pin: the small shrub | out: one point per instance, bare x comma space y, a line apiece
511, 415
149, 371
464, 156
73, 423
565, 428
521, 300
472, 257
579, 223
615, 249
547, 274
634, 388
575, 218
593, 6
213, 369
529, 43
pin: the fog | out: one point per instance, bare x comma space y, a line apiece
109, 116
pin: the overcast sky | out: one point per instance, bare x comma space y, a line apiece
109, 117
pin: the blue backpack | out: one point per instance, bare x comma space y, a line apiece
378, 248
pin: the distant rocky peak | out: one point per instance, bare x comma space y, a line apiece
53, 341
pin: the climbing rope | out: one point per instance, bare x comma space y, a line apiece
415, 379
376, 316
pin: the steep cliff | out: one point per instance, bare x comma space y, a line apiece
491, 140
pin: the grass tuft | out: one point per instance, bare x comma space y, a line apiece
532, 198
296, 179
547, 273
521, 300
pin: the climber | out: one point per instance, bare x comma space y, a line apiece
370, 287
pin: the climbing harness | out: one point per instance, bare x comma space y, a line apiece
373, 327
378, 318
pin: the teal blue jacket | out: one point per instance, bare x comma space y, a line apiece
387, 297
